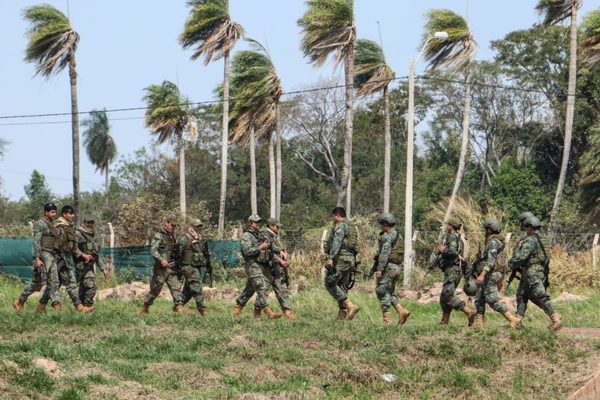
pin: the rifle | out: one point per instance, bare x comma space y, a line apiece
435, 263
176, 259
515, 269
546, 263
374, 267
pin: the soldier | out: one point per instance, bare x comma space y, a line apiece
388, 269
276, 271
67, 251
85, 272
165, 270
195, 258
44, 270
341, 261
450, 252
490, 275
531, 256
255, 250
521, 303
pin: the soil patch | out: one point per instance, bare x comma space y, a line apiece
589, 332
50, 367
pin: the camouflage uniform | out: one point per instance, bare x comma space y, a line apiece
339, 275
85, 273
255, 261
452, 274
195, 258
390, 272
274, 273
494, 273
161, 248
67, 252
44, 246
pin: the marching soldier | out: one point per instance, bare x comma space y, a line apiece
85, 272
195, 258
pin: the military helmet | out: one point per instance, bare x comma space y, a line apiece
67, 210
196, 222
274, 221
454, 223
49, 207
493, 224
386, 218
534, 222
254, 218
172, 218
470, 288
524, 215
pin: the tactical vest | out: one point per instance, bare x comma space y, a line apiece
539, 256
397, 253
349, 243
89, 246
49, 236
265, 256
501, 262
69, 240
193, 254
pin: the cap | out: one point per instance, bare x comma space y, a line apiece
455, 223
196, 222
49, 207
172, 218
67, 209
254, 218
89, 220
274, 221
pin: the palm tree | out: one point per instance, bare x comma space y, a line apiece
99, 144
328, 29
591, 38
169, 116
456, 53
212, 33
52, 44
554, 12
373, 74
256, 90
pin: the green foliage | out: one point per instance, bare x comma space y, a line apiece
371, 72
38, 193
99, 144
556, 11
591, 38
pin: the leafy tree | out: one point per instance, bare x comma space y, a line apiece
99, 144
591, 38
52, 44
38, 193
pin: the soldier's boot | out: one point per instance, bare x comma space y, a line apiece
257, 313
387, 318
145, 309
403, 314
270, 313
41, 308
56, 305
289, 315
353, 309
18, 305
342, 314
478, 321
556, 321
82, 309
445, 318
203, 312
513, 322
237, 310
178, 308
470, 313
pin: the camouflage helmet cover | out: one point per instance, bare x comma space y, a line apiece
470, 288
534, 222
492, 224
254, 218
386, 218
524, 215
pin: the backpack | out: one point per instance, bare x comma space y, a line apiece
351, 240
464, 248
397, 253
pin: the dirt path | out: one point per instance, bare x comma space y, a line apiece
590, 332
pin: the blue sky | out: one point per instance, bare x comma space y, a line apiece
127, 45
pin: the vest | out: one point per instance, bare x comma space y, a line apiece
501, 262
193, 254
49, 236
89, 246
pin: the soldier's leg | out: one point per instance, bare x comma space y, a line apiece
157, 281
246, 294
79, 277
539, 296
260, 287
89, 284
383, 290
334, 283
175, 283
480, 300
34, 286
67, 279
51, 292
522, 298
492, 296
281, 292
193, 284
394, 274
448, 299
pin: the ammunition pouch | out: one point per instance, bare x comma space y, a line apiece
48, 242
264, 257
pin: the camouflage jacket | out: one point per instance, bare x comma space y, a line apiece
275, 241
338, 234
67, 239
451, 252
494, 245
194, 250
86, 242
161, 246
528, 251
44, 236
386, 242
250, 243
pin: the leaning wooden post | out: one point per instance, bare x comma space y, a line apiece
111, 245
595, 248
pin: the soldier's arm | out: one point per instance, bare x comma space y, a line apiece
451, 249
523, 251
338, 237
492, 251
384, 253
183, 243
155, 246
249, 245
37, 239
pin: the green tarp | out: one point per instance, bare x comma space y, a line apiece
16, 257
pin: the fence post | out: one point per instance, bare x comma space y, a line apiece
323, 240
234, 235
412, 256
111, 245
595, 248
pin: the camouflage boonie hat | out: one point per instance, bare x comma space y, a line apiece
454, 223
534, 222
274, 221
196, 222
172, 218
254, 218
524, 215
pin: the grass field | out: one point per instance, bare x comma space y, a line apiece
117, 354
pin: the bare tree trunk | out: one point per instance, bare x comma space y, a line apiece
346, 186
568, 122
253, 195
279, 167
182, 191
387, 155
464, 147
75, 133
272, 177
224, 147
107, 180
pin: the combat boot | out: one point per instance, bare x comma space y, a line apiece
470, 313
289, 315
387, 318
403, 314
203, 312
257, 313
178, 308
18, 305
445, 318
270, 313
145, 309
82, 309
513, 322
237, 310
352, 309
342, 314
556, 321
41, 308
478, 321
56, 305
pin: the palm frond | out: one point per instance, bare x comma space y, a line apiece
210, 30
590, 161
51, 39
99, 144
591, 38
371, 72
458, 50
555, 11
327, 28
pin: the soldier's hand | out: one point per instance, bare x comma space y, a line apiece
38, 263
164, 263
87, 258
501, 285
264, 245
329, 263
283, 255
378, 274
284, 263
441, 248
480, 278
106, 273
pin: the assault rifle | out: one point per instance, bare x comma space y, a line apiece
374, 267
515, 269
176, 259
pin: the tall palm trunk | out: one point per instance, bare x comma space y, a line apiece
253, 196
224, 147
464, 147
182, 191
568, 122
272, 177
74, 133
107, 180
279, 168
346, 186
387, 155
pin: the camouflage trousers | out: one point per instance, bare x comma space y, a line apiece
385, 288
194, 278
160, 276
85, 276
488, 294
531, 287
44, 276
66, 279
337, 280
448, 299
275, 279
256, 283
